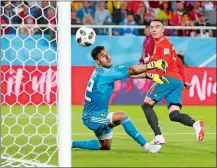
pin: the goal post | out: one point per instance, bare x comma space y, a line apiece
35, 84
64, 55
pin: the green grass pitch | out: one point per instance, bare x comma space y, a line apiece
181, 148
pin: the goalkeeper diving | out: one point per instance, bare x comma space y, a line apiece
99, 89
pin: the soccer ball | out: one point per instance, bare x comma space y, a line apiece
85, 36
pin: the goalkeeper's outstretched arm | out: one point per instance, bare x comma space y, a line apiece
155, 77
137, 69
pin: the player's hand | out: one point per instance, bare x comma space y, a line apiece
187, 85
157, 78
159, 64
146, 59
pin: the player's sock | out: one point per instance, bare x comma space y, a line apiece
182, 118
151, 118
132, 131
86, 144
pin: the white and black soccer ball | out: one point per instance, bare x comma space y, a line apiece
85, 36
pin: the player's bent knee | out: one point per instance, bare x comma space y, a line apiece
106, 147
174, 107
122, 115
148, 100
118, 116
174, 115
114, 119
105, 144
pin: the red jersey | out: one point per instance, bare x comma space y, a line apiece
148, 48
165, 50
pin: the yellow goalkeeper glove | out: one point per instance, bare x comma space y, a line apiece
157, 78
159, 64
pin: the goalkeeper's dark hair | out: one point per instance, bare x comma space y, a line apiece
96, 51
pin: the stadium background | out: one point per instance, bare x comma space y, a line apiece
199, 46
28, 65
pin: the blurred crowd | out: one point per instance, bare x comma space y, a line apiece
173, 13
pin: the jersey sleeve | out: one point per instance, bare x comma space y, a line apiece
115, 73
179, 63
181, 68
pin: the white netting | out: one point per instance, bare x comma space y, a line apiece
28, 85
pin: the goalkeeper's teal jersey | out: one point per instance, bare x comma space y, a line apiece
100, 87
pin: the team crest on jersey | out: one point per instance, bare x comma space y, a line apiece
166, 51
102, 114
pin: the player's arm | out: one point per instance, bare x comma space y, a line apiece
155, 77
181, 72
114, 74
181, 68
122, 71
137, 69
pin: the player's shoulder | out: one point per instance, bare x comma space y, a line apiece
165, 42
112, 69
95, 73
119, 66
99, 70
102, 71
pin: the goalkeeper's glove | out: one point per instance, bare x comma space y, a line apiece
159, 64
157, 78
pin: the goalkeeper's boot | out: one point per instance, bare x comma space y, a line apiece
158, 140
198, 128
152, 148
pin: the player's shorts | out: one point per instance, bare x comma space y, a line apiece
172, 92
101, 124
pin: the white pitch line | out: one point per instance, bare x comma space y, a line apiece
179, 133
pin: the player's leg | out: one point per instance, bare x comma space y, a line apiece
174, 106
150, 114
103, 130
103, 141
122, 118
115, 119
156, 93
94, 144
152, 120
96, 123
86, 144
105, 144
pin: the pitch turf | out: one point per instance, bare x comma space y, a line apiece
181, 148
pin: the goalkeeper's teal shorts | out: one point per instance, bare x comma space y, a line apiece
172, 92
98, 123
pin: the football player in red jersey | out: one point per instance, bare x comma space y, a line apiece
172, 92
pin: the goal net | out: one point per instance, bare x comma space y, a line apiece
29, 84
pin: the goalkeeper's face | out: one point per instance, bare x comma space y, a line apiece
156, 29
104, 59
